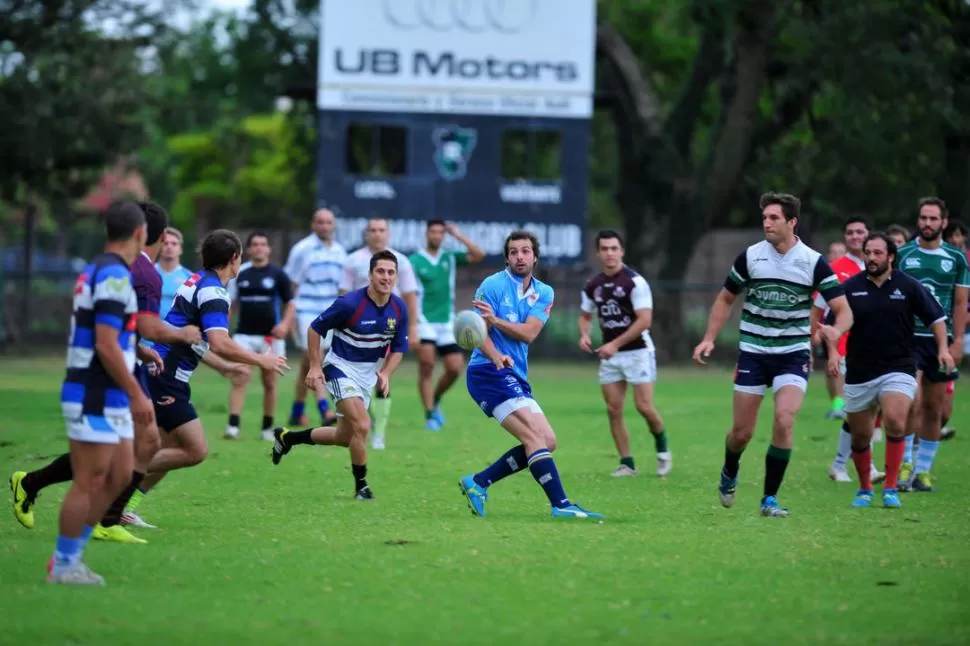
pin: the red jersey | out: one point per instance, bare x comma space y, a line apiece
844, 268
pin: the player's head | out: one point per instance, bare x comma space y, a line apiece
855, 231
124, 224
899, 234
879, 253
836, 251
521, 252
383, 271
932, 218
257, 246
609, 248
324, 224
435, 234
171, 245
156, 219
956, 233
377, 234
779, 216
221, 250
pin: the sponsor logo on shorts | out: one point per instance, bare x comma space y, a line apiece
165, 401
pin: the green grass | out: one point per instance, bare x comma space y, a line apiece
255, 554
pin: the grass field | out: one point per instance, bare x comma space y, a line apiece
255, 554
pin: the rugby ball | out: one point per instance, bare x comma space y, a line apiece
470, 329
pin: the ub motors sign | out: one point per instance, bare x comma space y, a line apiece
488, 57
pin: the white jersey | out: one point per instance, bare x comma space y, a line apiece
356, 274
316, 268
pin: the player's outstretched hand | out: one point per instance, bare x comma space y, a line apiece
142, 411
585, 344
703, 351
485, 310
314, 377
383, 383
191, 334
504, 361
275, 363
946, 361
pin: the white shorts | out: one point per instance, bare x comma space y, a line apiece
261, 344
346, 388
112, 427
303, 322
966, 342
441, 334
859, 397
632, 366
509, 406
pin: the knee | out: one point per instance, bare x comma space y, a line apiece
646, 409
269, 384
361, 427
147, 445
784, 420
197, 454
614, 410
426, 368
741, 435
551, 441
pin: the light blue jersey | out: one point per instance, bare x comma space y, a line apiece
171, 281
503, 291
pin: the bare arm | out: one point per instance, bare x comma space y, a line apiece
313, 348
959, 315
392, 363
643, 321
113, 359
815, 319
289, 315
216, 362
154, 329
526, 332
843, 314
475, 253
224, 346
585, 323
720, 312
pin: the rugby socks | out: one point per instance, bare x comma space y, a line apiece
59, 470
894, 460
381, 411
776, 461
296, 412
136, 499
845, 447
628, 462
113, 515
908, 450
732, 462
267, 422
513, 461
360, 476
863, 466
234, 421
925, 455
67, 552
292, 438
838, 403
544, 470
323, 406
659, 440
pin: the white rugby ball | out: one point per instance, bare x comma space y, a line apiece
470, 329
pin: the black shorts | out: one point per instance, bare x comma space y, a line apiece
926, 362
443, 350
173, 402
141, 376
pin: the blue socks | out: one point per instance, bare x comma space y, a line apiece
324, 407
908, 450
513, 461
296, 412
67, 552
544, 470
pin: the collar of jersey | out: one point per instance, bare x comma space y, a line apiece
518, 281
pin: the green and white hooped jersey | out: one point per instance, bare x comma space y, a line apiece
436, 283
778, 296
941, 270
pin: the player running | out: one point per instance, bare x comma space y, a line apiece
436, 270
147, 284
315, 266
943, 271
778, 276
170, 267
100, 397
201, 301
623, 303
357, 276
258, 294
880, 364
367, 324
854, 231
515, 306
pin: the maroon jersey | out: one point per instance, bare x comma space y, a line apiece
615, 300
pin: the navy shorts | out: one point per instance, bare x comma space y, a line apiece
173, 402
927, 363
499, 393
755, 373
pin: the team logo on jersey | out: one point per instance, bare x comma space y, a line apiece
912, 262
619, 292
453, 147
946, 265
391, 325
268, 283
532, 299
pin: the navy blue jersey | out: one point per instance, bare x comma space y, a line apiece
103, 295
203, 301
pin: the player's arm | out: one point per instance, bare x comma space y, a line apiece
346, 278
931, 313
285, 291
474, 253
399, 345
214, 313
111, 296
585, 322
959, 320
408, 284
829, 288
534, 322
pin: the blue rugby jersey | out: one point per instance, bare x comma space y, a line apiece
103, 295
171, 281
362, 333
202, 301
503, 291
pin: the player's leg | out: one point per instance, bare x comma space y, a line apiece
750, 384
640, 371
895, 405
453, 361
614, 396
380, 413
836, 389
838, 470
190, 448
426, 359
914, 423
237, 391
930, 427
297, 416
860, 403
25, 486
947, 433
269, 378
130, 515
